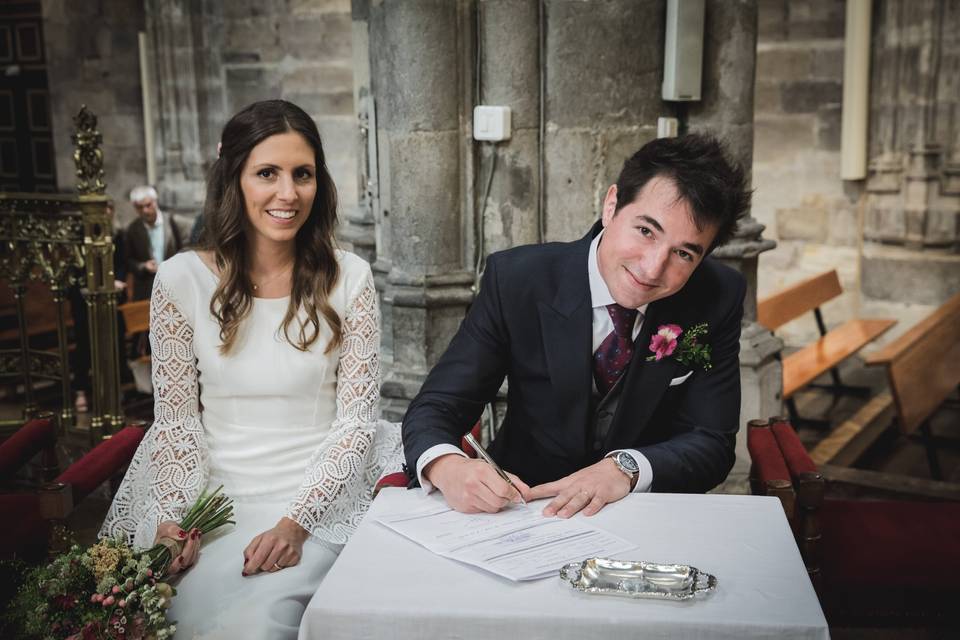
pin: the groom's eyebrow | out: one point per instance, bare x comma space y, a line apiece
692, 247
651, 221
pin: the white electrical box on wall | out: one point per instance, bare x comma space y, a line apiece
683, 50
491, 123
667, 127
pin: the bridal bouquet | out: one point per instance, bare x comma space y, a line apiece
109, 590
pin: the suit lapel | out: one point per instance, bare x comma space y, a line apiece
567, 329
645, 382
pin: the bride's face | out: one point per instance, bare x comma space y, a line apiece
279, 183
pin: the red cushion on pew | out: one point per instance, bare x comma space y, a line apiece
24, 531
397, 479
798, 461
766, 456
101, 462
891, 543
475, 432
25, 443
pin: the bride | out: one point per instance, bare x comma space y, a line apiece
266, 370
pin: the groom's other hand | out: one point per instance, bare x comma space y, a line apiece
587, 490
472, 486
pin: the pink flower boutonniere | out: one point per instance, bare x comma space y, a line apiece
667, 341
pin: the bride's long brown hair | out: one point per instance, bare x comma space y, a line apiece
315, 269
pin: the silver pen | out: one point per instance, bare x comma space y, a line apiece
486, 457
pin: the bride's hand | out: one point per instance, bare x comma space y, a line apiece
189, 542
275, 549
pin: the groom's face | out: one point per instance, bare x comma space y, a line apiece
651, 246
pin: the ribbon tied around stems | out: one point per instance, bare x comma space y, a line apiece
174, 546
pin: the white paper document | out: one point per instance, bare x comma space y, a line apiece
518, 543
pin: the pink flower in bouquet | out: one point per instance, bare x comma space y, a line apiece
664, 342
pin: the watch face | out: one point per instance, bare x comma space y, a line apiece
627, 462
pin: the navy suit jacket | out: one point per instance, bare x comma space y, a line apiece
532, 322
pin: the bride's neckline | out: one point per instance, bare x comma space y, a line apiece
216, 278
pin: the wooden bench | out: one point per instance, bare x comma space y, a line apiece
40, 312
136, 317
923, 369
801, 368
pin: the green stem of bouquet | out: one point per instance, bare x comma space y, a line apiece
208, 513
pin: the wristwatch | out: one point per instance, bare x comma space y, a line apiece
626, 463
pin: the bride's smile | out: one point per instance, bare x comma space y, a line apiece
279, 185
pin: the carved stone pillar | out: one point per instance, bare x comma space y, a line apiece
358, 224
175, 72
912, 205
421, 88
726, 110
508, 180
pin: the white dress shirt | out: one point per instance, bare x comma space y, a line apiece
602, 327
155, 232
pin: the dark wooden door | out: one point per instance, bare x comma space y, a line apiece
26, 142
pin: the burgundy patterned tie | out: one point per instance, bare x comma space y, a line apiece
614, 353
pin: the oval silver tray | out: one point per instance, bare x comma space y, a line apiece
637, 579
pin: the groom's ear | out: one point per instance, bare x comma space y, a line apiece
609, 205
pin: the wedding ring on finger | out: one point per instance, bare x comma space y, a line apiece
276, 567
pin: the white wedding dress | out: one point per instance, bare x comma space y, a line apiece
286, 432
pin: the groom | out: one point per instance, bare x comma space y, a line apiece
612, 385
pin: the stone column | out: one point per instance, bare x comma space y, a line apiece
509, 172
421, 83
911, 251
357, 226
174, 73
604, 66
726, 110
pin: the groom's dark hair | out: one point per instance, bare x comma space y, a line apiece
705, 176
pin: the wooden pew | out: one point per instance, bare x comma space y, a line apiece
136, 315
887, 563
801, 368
40, 310
923, 369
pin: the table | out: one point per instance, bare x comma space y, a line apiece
386, 586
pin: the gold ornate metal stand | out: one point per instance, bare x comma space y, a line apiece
65, 241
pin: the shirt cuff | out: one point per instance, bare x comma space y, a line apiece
645, 477
432, 454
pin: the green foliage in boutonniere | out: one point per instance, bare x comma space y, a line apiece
684, 346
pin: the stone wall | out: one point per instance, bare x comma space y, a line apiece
92, 59
894, 237
207, 60
911, 252
796, 162
300, 51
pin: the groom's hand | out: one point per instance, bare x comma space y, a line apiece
472, 486
587, 490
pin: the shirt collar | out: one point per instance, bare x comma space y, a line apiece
158, 222
599, 291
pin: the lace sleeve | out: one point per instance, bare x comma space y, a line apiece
169, 469
338, 484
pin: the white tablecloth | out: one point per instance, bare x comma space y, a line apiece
385, 586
